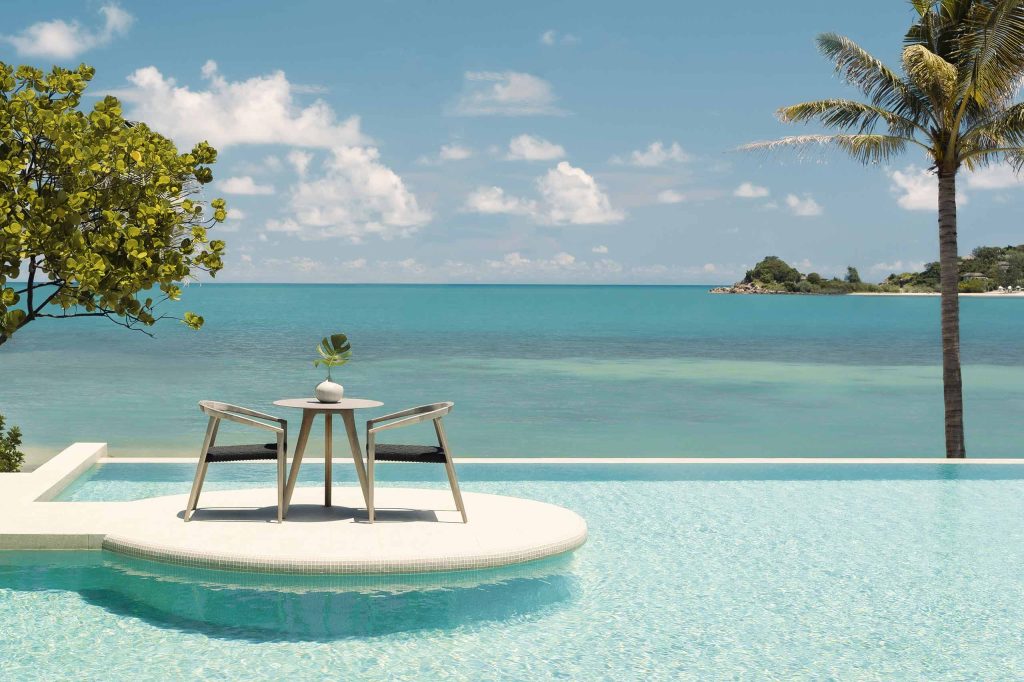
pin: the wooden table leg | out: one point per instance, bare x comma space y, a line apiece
300, 448
328, 455
357, 451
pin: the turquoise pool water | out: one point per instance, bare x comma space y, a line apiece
690, 572
541, 371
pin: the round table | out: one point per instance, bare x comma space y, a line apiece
311, 407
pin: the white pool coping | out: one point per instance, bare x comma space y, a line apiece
30, 519
637, 460
417, 530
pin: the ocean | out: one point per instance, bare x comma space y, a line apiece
539, 371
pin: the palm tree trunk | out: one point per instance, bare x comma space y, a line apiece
952, 384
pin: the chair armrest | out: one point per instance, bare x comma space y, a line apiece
411, 411
408, 417
241, 415
238, 419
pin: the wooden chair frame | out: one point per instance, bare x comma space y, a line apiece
217, 412
414, 415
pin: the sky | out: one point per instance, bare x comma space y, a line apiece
575, 142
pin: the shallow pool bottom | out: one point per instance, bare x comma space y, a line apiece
867, 575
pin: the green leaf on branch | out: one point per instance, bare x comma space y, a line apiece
193, 321
118, 212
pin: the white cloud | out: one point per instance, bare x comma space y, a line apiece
569, 196
304, 264
600, 248
495, 200
236, 214
916, 187
553, 37
897, 266
259, 110
506, 93
300, 161
300, 264
268, 164
804, 207
516, 263
999, 176
749, 190
354, 196
670, 196
409, 266
243, 185
512, 266
59, 39
454, 152
530, 148
656, 154
448, 152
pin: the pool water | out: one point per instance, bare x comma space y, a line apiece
690, 572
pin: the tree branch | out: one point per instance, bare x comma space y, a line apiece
55, 283
31, 280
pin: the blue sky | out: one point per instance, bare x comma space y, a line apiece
522, 142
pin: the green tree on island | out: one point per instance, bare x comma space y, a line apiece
95, 211
963, 62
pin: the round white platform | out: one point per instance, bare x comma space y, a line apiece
416, 530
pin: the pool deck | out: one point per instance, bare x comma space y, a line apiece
416, 530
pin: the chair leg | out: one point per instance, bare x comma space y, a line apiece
197, 483
371, 455
282, 458
449, 468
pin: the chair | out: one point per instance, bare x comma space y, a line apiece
240, 453
432, 454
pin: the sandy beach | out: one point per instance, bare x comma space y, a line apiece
987, 294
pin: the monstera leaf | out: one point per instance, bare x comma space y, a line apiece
334, 351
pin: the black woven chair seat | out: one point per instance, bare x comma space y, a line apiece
409, 453
241, 453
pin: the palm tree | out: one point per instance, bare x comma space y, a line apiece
963, 63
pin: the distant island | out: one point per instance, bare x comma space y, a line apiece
988, 269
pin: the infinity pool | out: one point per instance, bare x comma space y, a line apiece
691, 571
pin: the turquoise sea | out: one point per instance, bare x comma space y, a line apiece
540, 370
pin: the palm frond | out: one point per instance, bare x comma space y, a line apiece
847, 114
991, 49
1016, 160
937, 24
1003, 129
930, 73
859, 68
866, 148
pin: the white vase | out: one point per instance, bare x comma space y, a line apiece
329, 392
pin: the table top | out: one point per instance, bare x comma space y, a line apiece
314, 404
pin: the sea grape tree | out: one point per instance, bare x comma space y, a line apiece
99, 216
